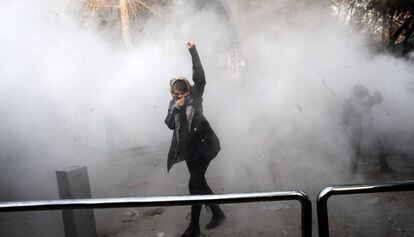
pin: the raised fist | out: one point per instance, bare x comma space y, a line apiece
190, 44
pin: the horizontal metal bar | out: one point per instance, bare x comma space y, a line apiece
17, 206
327, 192
146, 201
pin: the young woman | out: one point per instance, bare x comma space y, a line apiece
193, 139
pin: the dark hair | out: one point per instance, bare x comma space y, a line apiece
180, 85
360, 90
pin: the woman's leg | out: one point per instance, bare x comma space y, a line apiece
198, 185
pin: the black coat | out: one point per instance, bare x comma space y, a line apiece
199, 140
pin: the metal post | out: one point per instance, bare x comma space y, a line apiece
322, 211
306, 205
327, 192
73, 183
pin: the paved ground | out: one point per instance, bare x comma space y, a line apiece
141, 172
387, 214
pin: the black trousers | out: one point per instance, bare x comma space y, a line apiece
198, 185
356, 142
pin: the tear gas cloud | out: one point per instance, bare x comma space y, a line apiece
64, 85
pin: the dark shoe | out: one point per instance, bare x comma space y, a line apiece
191, 231
216, 220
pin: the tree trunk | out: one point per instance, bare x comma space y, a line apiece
400, 30
126, 35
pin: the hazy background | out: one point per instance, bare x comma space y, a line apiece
72, 94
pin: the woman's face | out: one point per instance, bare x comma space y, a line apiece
179, 94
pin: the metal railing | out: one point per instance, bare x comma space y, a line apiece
327, 192
306, 219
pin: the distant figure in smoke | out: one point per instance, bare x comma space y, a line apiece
359, 125
193, 141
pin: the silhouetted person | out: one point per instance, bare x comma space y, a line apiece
359, 125
193, 141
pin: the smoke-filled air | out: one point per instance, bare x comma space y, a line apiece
87, 83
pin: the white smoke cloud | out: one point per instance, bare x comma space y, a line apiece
67, 86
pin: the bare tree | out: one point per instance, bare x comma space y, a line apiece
388, 22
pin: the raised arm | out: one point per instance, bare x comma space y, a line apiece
374, 99
198, 71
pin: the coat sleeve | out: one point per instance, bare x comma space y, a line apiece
198, 73
169, 120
